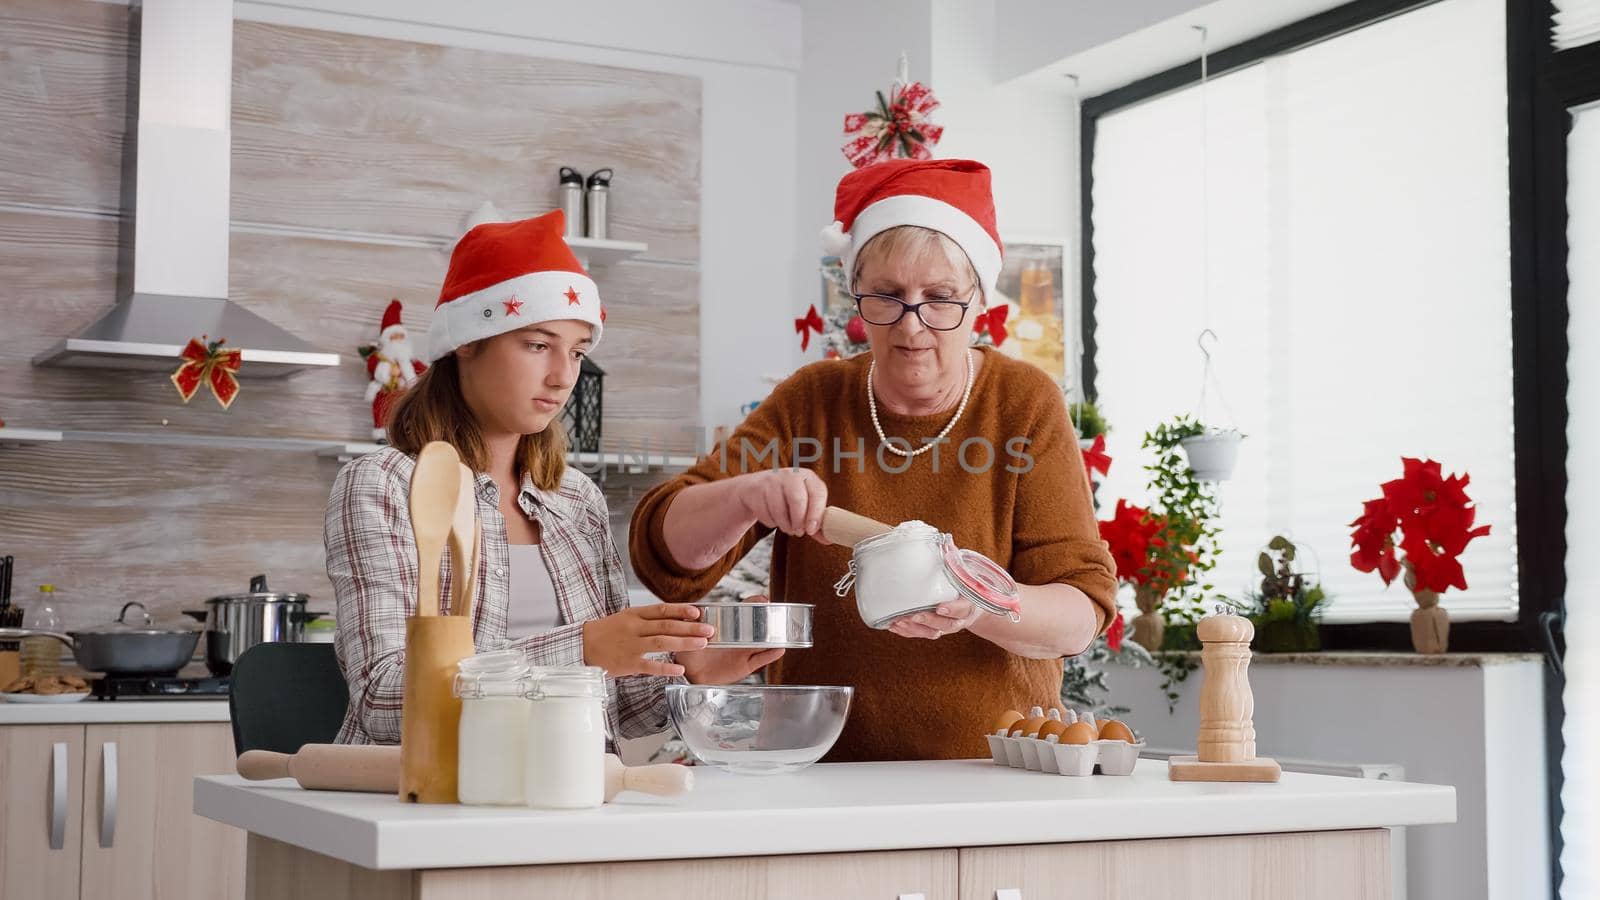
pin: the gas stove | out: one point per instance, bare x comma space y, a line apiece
158, 687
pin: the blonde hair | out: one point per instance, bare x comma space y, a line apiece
433, 409
914, 241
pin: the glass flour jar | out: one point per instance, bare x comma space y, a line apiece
914, 568
566, 746
494, 728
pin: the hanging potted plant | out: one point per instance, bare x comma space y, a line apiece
1434, 520
1213, 452
1286, 608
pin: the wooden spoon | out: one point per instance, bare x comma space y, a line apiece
847, 529
435, 485
464, 546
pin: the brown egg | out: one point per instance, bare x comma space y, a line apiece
1113, 730
1007, 719
1052, 726
1077, 733
1028, 727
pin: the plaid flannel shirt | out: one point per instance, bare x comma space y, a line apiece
372, 562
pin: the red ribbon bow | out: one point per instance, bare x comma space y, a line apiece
806, 324
899, 127
208, 363
993, 323
1095, 459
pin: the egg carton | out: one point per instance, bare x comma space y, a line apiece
1048, 755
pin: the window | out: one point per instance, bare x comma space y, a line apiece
1359, 281
1581, 793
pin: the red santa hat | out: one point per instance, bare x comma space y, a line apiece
508, 275
950, 196
391, 319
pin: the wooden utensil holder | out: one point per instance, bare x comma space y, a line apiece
430, 719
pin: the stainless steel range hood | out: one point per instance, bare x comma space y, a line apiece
181, 142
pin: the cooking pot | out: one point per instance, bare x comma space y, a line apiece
237, 622
123, 647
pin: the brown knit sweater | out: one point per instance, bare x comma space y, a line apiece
915, 699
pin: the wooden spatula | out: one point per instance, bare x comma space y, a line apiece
435, 486
847, 529
464, 546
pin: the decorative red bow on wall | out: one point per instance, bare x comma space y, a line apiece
210, 364
803, 326
993, 323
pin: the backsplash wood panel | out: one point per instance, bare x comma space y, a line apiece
370, 135
338, 141
63, 90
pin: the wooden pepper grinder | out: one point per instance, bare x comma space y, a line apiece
1226, 745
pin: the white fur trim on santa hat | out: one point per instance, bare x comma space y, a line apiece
926, 212
512, 304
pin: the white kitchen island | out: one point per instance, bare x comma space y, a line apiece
946, 829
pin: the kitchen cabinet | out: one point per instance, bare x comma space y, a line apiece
1337, 865
126, 824
284, 872
41, 811
141, 839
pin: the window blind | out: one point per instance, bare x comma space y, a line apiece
1359, 283
1575, 23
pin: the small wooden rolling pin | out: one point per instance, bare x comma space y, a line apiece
847, 529
376, 769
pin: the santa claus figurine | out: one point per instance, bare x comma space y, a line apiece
391, 366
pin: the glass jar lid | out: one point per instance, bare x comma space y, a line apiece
566, 681
498, 673
981, 580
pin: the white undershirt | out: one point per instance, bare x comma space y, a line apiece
533, 595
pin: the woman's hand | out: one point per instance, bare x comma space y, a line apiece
790, 500
951, 616
618, 642
727, 666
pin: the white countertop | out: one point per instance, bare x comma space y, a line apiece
105, 712
824, 809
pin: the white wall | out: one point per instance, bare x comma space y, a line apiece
746, 53
1478, 728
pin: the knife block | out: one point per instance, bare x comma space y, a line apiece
1226, 745
430, 717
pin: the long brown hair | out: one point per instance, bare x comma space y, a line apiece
434, 409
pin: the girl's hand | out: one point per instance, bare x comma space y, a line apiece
727, 666
951, 616
618, 642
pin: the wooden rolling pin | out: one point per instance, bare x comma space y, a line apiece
847, 529
375, 769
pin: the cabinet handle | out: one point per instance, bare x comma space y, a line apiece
58, 796
108, 793
1008, 894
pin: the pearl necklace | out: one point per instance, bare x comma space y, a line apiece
872, 406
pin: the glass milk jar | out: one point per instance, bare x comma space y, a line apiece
566, 743
494, 728
915, 568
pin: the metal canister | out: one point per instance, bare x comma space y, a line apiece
571, 200
598, 197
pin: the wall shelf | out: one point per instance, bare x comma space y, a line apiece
327, 448
594, 252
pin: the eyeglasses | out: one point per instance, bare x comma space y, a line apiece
936, 315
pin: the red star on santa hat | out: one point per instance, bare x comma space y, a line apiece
572, 297
513, 306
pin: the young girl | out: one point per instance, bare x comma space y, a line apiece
515, 318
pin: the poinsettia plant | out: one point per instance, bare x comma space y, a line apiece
1424, 515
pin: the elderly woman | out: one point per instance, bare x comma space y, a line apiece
927, 427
